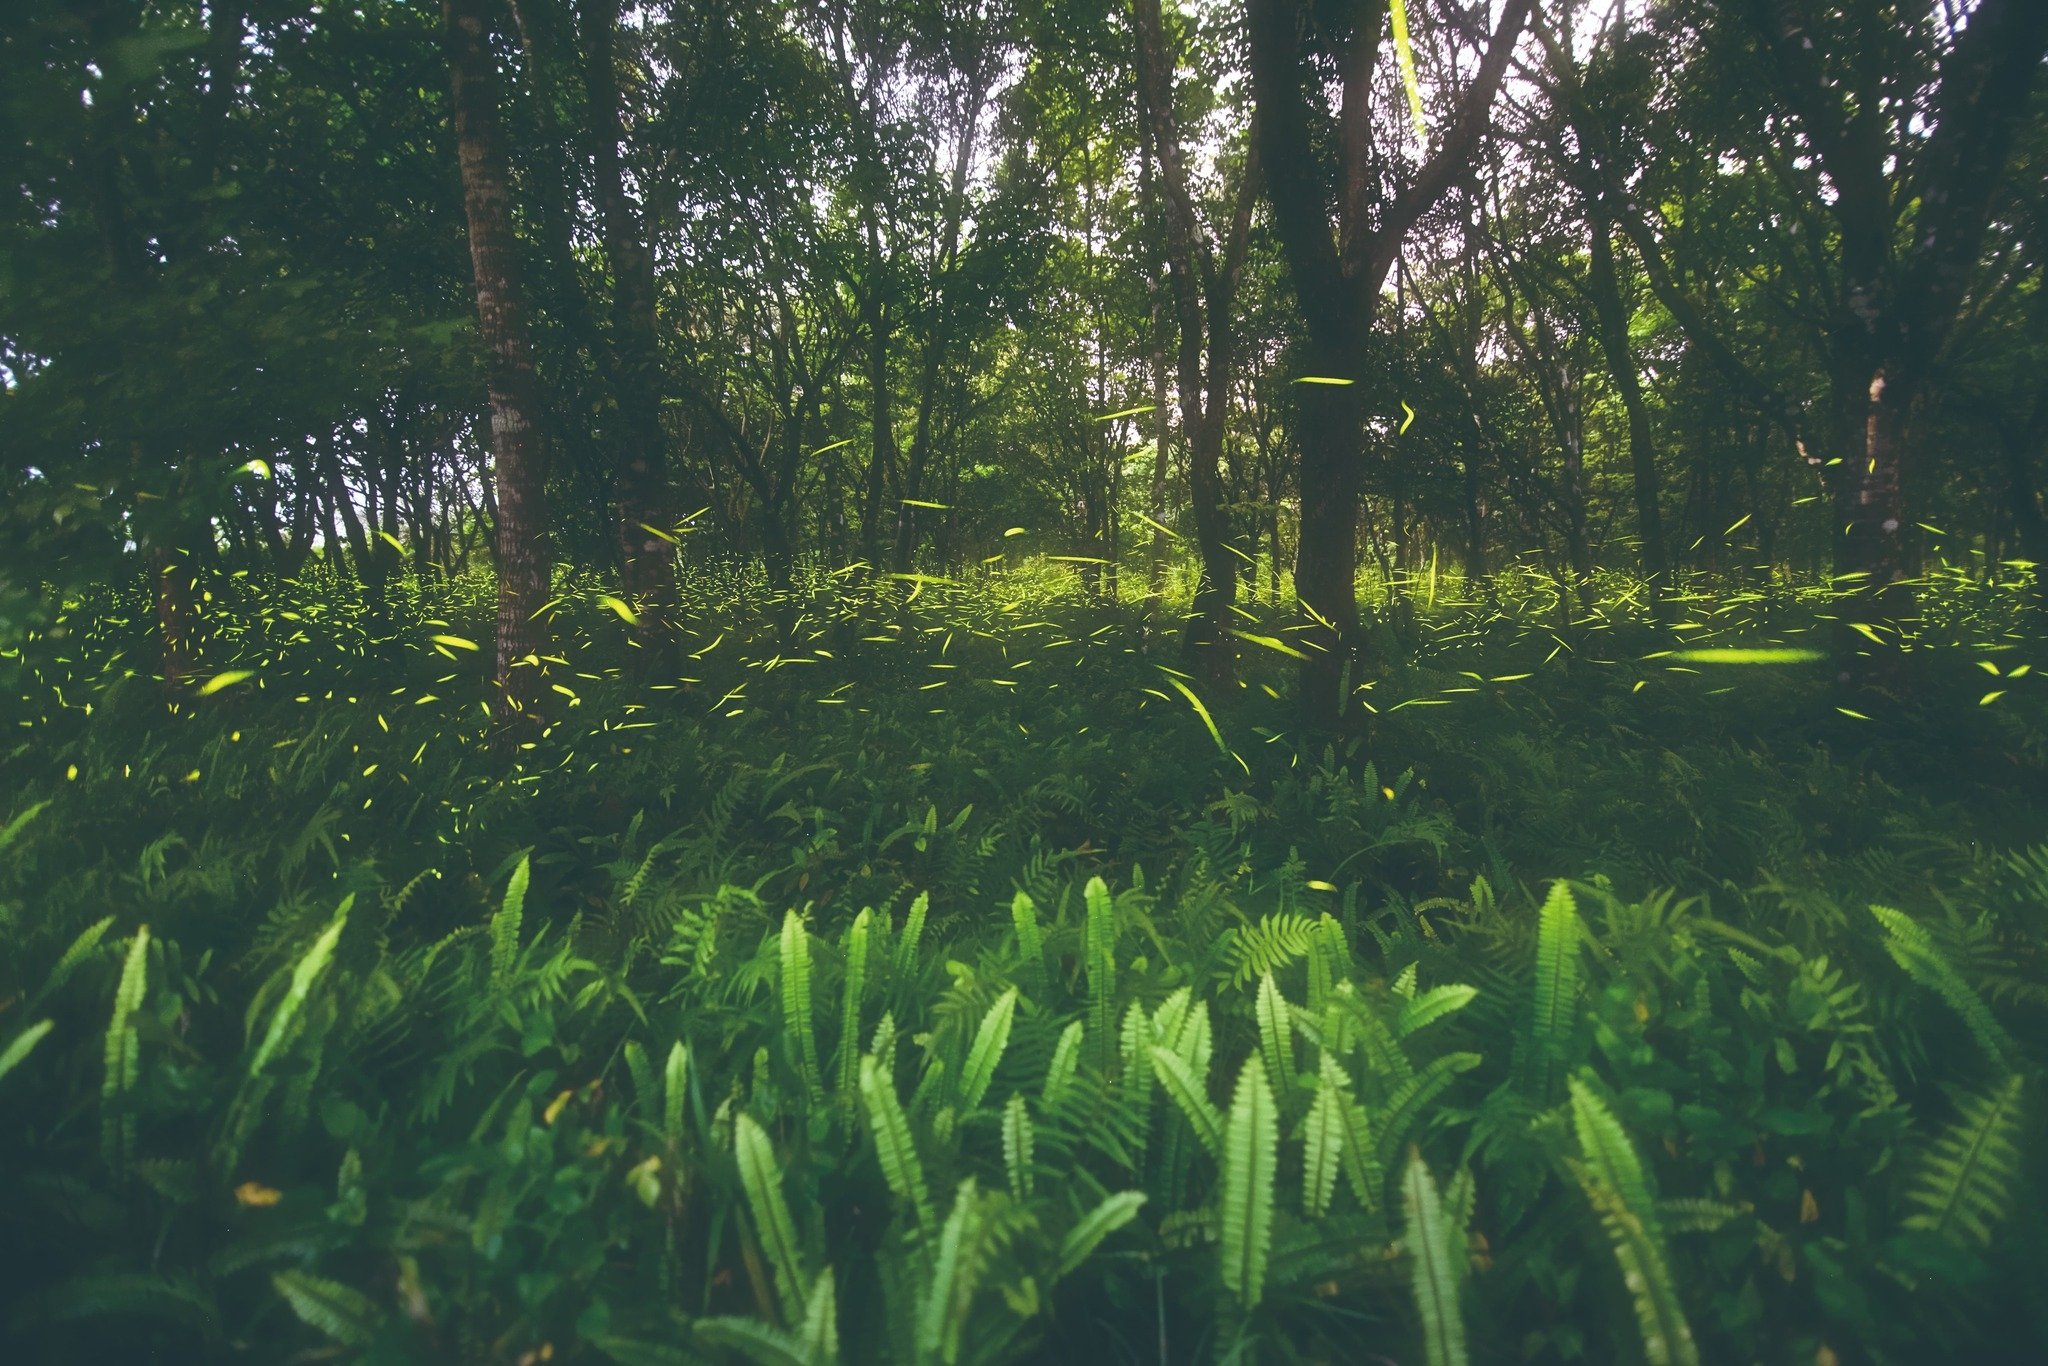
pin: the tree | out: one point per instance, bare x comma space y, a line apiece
1338, 271
524, 554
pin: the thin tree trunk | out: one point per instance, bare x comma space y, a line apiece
1612, 318
518, 451
646, 554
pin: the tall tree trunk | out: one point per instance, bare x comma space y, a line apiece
646, 553
1204, 293
1612, 317
1337, 279
517, 449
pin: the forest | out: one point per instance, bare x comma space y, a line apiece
963, 681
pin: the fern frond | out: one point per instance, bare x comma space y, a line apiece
1099, 962
1085, 1236
1436, 1264
1187, 1091
23, 1044
1322, 1139
858, 938
1913, 949
799, 1035
1017, 1146
1553, 1004
761, 1179
1251, 1157
894, 1146
675, 1082
1066, 1061
1276, 1032
1030, 940
505, 927
1612, 1176
1964, 1182
123, 1066
338, 1311
81, 948
1422, 1011
990, 1039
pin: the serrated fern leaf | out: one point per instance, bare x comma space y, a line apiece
1276, 1032
894, 1147
338, 1311
1914, 950
799, 1034
1435, 1259
1187, 1092
1097, 1224
858, 939
23, 1044
1612, 1176
1018, 1141
1030, 940
1422, 1011
505, 927
1251, 1158
761, 1179
1554, 996
123, 1056
1099, 962
1963, 1185
983, 1055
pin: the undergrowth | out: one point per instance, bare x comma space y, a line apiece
915, 975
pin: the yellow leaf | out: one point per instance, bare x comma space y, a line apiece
456, 641
257, 1195
625, 613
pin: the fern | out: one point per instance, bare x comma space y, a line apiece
1018, 1140
894, 1147
505, 929
799, 1034
1546, 1040
1322, 1140
123, 1054
1187, 1091
1065, 1063
1030, 940
1913, 949
337, 1311
1085, 1236
986, 1052
1964, 1182
304, 976
1272, 944
1436, 1258
1276, 1033
854, 986
1614, 1182
22, 1045
82, 948
761, 1178
1431, 1006
675, 1081
1099, 962
1251, 1153
913, 934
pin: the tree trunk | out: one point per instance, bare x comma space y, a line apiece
1612, 318
646, 552
517, 449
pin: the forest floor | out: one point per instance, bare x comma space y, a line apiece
930, 975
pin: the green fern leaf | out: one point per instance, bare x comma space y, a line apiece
340, 1312
1099, 962
1322, 1140
1612, 1175
23, 1044
761, 1178
1276, 1032
986, 1052
1436, 1264
1085, 1236
1030, 941
505, 928
894, 1147
799, 1035
1188, 1093
1251, 1154
1963, 1185
1065, 1063
1554, 999
123, 1057
856, 952
1913, 949
1017, 1146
